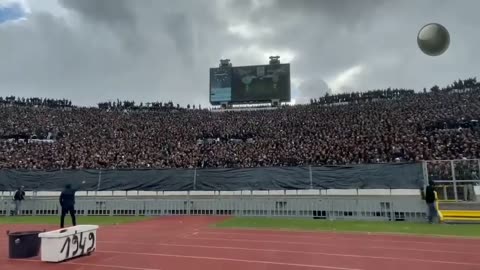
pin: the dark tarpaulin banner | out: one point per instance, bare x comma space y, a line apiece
274, 178
375, 176
168, 180
47, 180
372, 176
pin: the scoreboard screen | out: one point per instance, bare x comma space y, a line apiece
220, 85
250, 84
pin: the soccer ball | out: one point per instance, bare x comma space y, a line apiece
433, 39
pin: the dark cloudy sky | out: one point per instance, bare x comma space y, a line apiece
97, 50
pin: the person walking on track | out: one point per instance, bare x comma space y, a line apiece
67, 201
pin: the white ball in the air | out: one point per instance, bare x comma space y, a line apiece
433, 39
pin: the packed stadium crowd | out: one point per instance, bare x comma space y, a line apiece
440, 124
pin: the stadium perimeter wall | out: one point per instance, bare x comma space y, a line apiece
362, 192
390, 208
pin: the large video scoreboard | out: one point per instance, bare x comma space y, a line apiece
250, 84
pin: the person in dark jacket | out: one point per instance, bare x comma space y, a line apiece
430, 199
67, 201
19, 197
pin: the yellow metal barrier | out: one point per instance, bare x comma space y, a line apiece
464, 219
437, 205
461, 214
456, 215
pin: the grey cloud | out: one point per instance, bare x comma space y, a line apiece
311, 88
116, 12
349, 14
141, 24
180, 28
342, 10
161, 50
320, 31
117, 16
87, 63
332, 36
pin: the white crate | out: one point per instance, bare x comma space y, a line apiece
69, 243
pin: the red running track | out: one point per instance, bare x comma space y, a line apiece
186, 243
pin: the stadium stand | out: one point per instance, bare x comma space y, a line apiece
374, 127
399, 126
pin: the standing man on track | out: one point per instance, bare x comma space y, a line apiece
19, 197
430, 199
67, 201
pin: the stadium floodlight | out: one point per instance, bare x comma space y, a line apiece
274, 60
225, 63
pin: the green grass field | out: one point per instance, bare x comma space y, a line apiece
278, 224
97, 220
351, 226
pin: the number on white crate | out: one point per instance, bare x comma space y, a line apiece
78, 243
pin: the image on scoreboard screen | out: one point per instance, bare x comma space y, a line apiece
261, 83
220, 85
261, 71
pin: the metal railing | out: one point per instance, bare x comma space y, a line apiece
133, 194
455, 179
352, 208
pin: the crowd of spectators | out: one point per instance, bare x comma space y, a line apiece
35, 102
368, 96
463, 169
150, 106
403, 127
